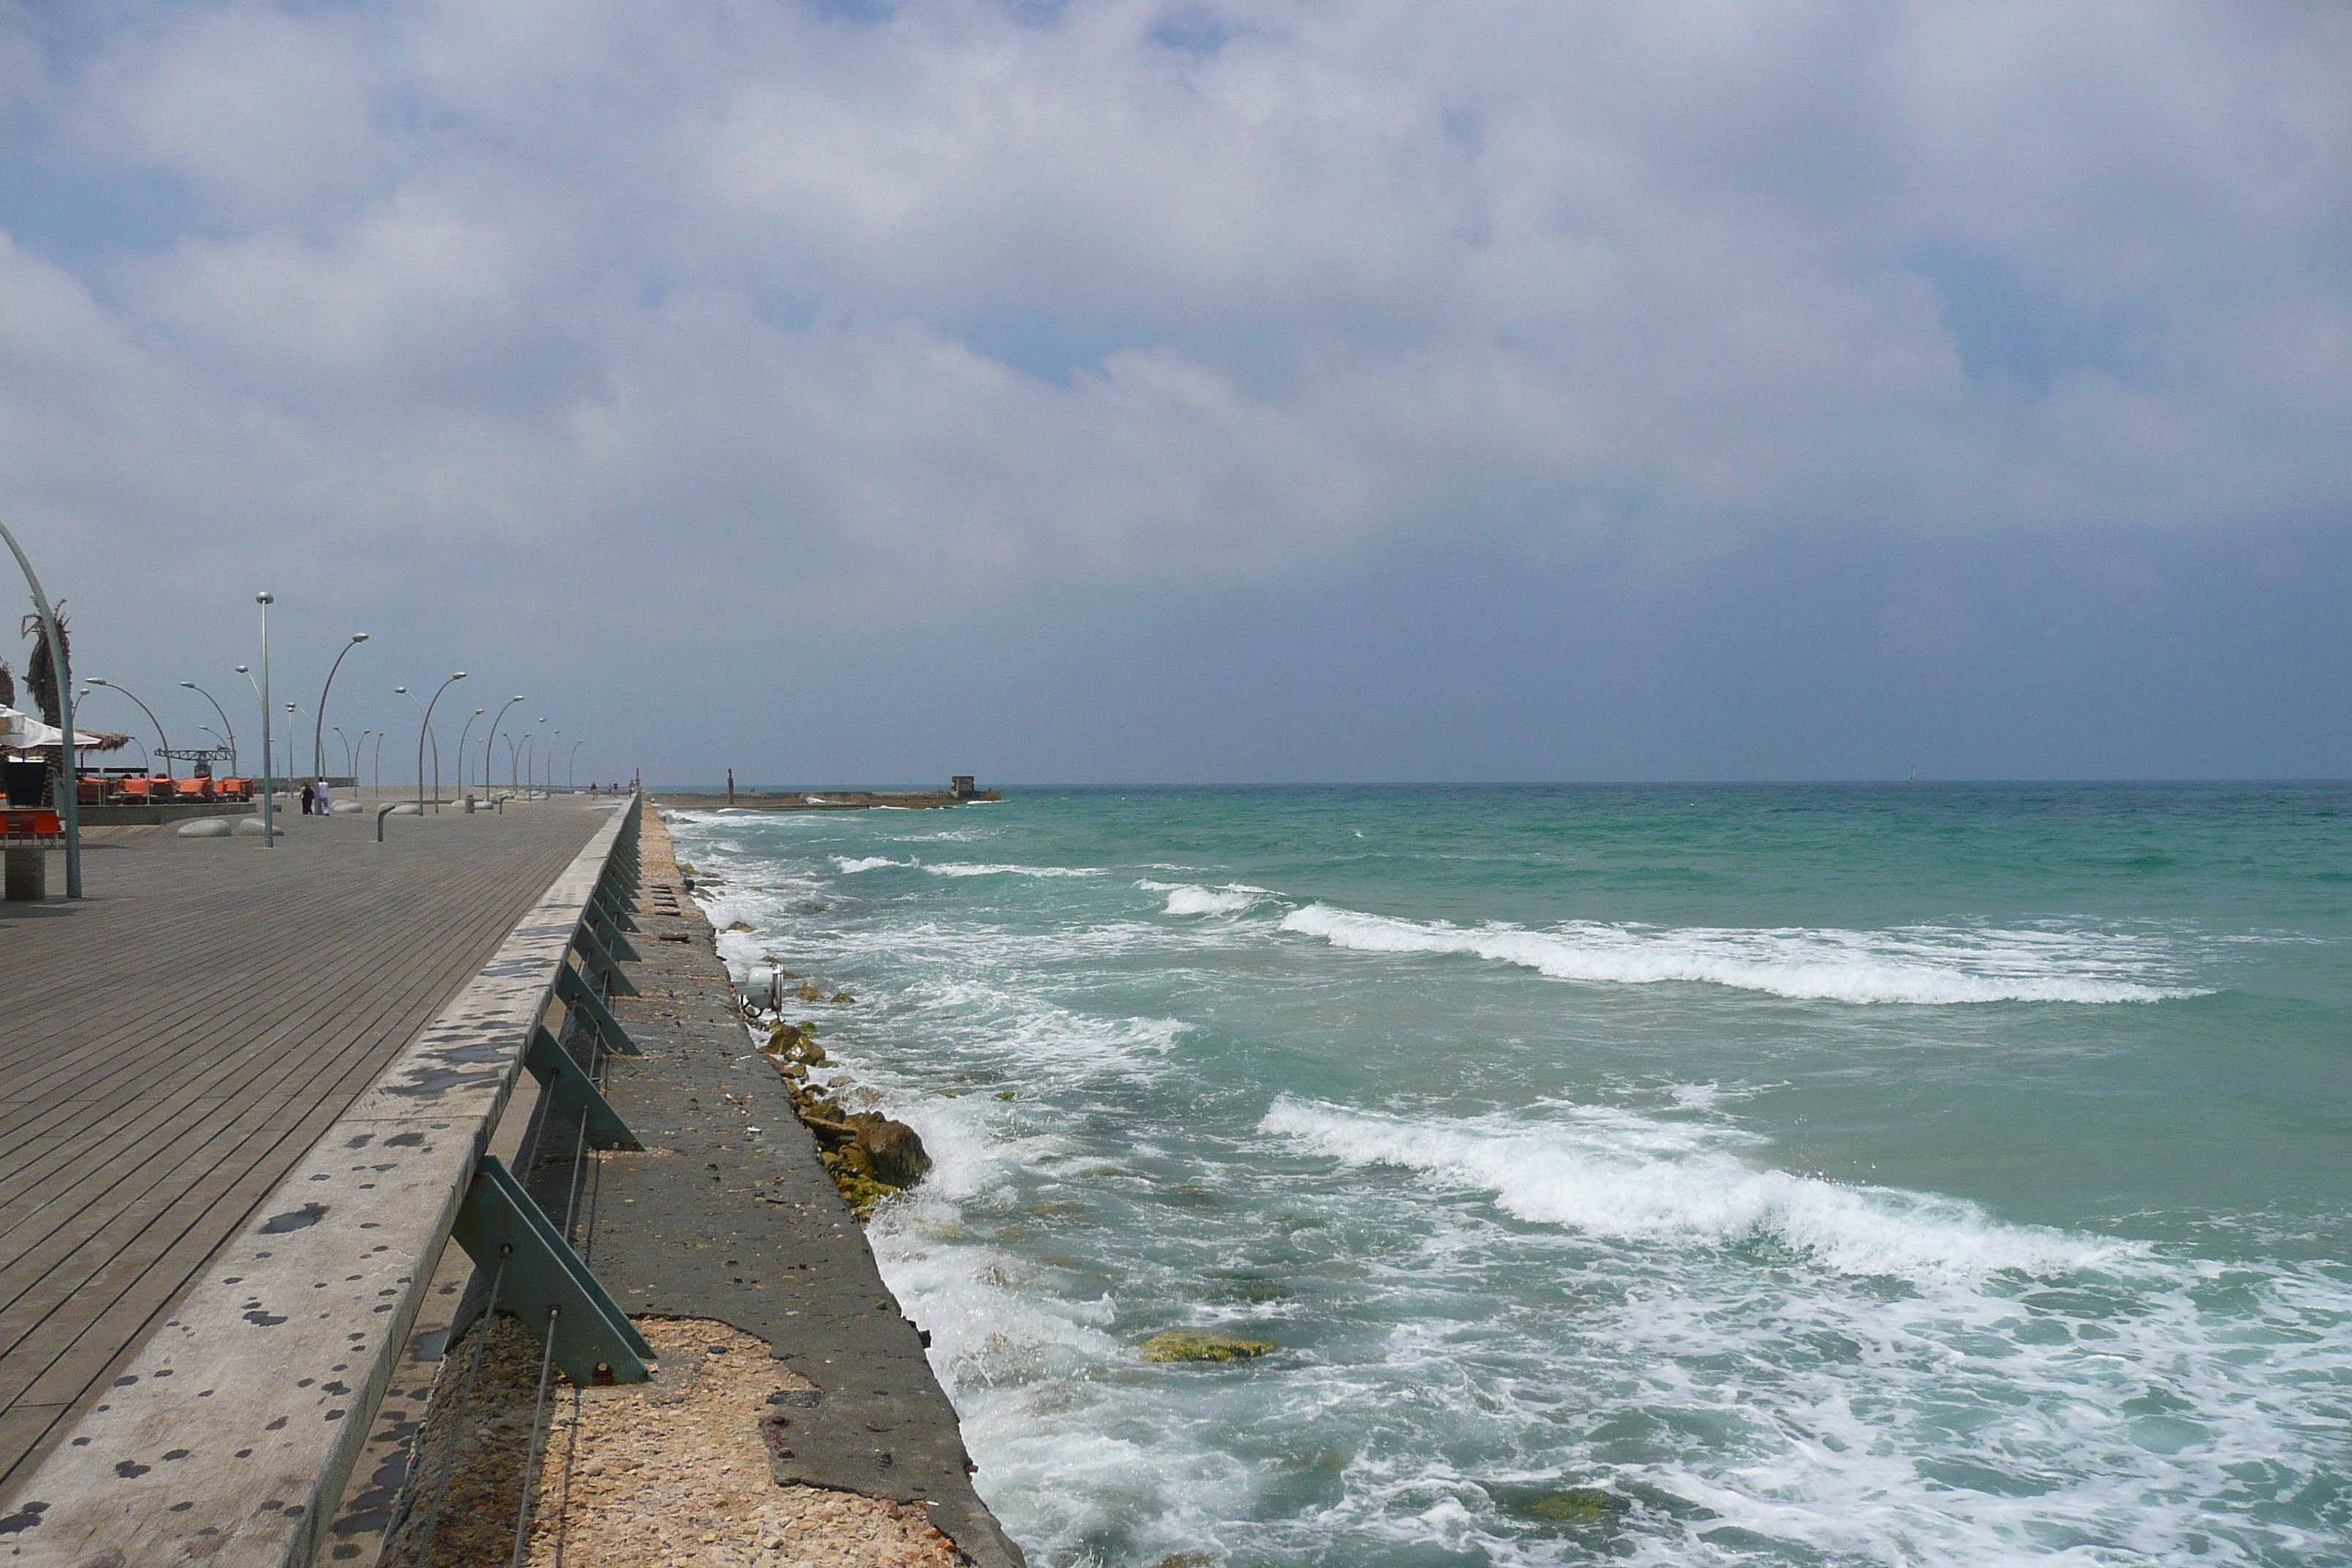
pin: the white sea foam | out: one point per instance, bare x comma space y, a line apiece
1608, 1173
1922, 965
962, 868
850, 866
1187, 899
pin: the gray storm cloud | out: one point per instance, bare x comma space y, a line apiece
945, 299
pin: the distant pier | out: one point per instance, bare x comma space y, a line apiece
961, 792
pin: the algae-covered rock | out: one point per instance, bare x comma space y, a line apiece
809, 992
843, 996
787, 1043
1577, 1503
1188, 1344
853, 1181
1557, 1503
895, 1152
740, 925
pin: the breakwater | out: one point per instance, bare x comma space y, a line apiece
826, 800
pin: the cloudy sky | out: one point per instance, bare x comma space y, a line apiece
1129, 389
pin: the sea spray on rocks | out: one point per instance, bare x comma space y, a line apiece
870, 1157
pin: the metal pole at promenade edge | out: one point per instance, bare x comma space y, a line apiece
223, 719
68, 768
571, 779
268, 781
468, 730
165, 740
404, 692
319, 763
490, 742
420, 742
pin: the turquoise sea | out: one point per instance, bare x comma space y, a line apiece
1809, 1176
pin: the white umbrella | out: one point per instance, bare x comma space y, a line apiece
23, 733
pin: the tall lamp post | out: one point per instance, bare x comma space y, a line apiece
68, 769
420, 745
461, 751
489, 743
404, 692
223, 719
345, 741
246, 671
551, 735
571, 784
379, 763
318, 760
160, 736
269, 782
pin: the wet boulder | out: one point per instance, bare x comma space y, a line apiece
1189, 1345
894, 1151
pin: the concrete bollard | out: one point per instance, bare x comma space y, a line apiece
470, 803
27, 876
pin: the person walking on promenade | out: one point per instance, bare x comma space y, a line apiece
309, 796
325, 801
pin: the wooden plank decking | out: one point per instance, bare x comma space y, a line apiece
173, 1044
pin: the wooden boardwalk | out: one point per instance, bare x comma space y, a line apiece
170, 1046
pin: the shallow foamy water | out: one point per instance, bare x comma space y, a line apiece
1927, 1176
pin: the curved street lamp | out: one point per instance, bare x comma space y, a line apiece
571, 784
461, 750
126, 691
246, 671
379, 763
68, 769
318, 762
420, 745
404, 692
490, 741
223, 719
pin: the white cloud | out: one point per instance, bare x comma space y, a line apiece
961, 296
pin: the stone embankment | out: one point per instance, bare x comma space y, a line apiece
792, 1418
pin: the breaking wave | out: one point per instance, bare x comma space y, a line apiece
1922, 965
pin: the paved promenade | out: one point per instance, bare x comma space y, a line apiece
173, 1045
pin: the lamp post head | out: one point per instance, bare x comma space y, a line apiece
189, 684
245, 670
265, 597
359, 637
400, 690
94, 680
459, 676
